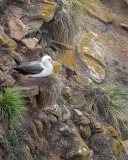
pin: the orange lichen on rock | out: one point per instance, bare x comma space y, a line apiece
68, 58
48, 10
112, 131
57, 68
96, 8
7, 43
116, 147
91, 51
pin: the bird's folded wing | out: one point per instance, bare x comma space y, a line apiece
31, 68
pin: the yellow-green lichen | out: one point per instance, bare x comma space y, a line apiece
102, 127
92, 45
91, 51
7, 43
84, 147
48, 10
95, 7
38, 47
85, 131
112, 131
66, 92
116, 147
84, 120
68, 58
57, 67
2, 40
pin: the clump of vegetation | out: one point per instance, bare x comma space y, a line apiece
111, 105
72, 20
17, 153
118, 106
12, 106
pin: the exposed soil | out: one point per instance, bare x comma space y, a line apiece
117, 44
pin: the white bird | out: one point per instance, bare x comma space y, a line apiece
37, 68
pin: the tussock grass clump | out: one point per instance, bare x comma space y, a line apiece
110, 104
118, 107
72, 20
12, 106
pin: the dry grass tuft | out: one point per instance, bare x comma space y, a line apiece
73, 16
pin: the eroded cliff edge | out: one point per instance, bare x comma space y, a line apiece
69, 113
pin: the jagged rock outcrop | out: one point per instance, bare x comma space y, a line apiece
30, 43
17, 29
63, 132
65, 119
97, 9
91, 51
7, 44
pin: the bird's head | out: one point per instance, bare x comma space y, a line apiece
48, 60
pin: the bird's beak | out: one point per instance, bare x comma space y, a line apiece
54, 62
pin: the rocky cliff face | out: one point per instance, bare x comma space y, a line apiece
69, 117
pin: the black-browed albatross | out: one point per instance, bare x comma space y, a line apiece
37, 68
